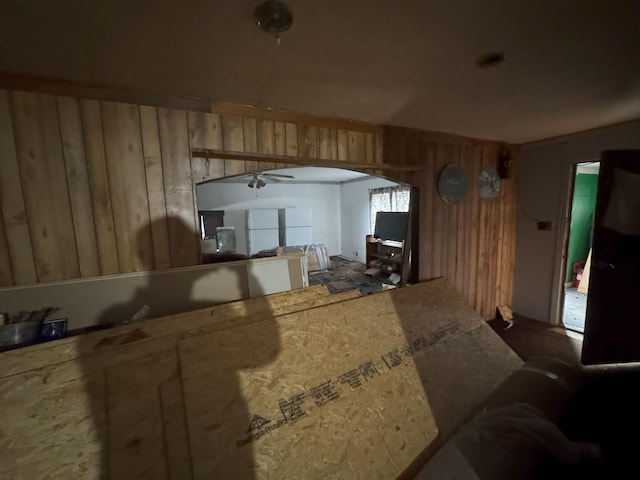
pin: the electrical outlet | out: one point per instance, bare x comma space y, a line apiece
355, 254
547, 226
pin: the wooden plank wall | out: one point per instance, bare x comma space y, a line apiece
472, 242
93, 187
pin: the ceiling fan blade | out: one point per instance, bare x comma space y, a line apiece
272, 179
278, 175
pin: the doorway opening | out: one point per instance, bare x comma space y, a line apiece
323, 212
578, 246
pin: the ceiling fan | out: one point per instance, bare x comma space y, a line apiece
258, 179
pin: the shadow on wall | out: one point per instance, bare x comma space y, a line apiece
141, 379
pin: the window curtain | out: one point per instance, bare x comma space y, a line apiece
387, 199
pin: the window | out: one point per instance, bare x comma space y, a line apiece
387, 199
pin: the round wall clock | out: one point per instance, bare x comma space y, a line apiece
489, 183
452, 184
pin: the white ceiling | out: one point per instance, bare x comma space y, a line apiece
571, 64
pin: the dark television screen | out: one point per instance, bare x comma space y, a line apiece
391, 226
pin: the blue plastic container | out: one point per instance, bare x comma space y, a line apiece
53, 329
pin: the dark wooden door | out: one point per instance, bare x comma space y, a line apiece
612, 329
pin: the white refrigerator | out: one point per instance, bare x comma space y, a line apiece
295, 227
262, 230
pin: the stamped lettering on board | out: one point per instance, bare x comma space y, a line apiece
292, 408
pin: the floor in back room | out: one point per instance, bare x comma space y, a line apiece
346, 275
575, 309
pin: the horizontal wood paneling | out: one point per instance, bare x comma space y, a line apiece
132, 165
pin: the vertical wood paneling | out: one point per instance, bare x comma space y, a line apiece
308, 141
474, 227
78, 183
461, 239
265, 131
370, 148
328, 143
128, 186
44, 183
291, 135
205, 131
427, 199
467, 166
233, 141
99, 187
356, 147
6, 273
438, 206
250, 138
280, 132
155, 186
343, 145
14, 213
178, 187
450, 226
140, 188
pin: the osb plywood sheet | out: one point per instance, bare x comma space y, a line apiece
136, 448
48, 425
176, 438
353, 390
53, 420
37, 356
135, 418
43, 408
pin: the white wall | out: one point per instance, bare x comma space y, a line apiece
236, 198
543, 179
355, 215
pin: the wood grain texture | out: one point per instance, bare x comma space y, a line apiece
280, 131
291, 136
233, 140
356, 147
6, 273
205, 131
44, 183
99, 186
128, 186
35, 381
136, 435
479, 265
155, 187
328, 143
14, 214
308, 141
250, 139
78, 184
176, 436
343, 145
235, 380
474, 239
178, 188
266, 141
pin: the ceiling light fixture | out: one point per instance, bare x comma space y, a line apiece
273, 16
492, 59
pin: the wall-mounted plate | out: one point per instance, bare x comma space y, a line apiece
452, 184
489, 183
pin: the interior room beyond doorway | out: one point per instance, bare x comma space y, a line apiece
334, 210
583, 206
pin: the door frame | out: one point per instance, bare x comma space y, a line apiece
562, 240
